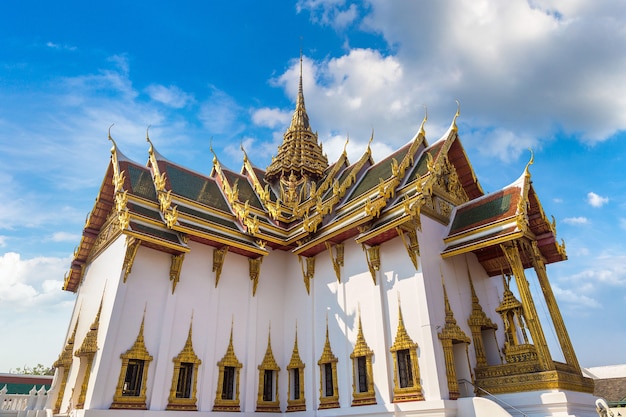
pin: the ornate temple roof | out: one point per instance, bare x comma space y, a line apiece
302, 204
482, 224
300, 155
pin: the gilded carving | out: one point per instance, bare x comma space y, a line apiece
268, 372
372, 255
329, 391
171, 217
406, 376
227, 394
132, 245
295, 399
478, 321
86, 353
176, 266
362, 375
450, 335
337, 258
309, 272
183, 390
218, 261
412, 245
131, 392
255, 271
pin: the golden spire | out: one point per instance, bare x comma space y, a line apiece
300, 155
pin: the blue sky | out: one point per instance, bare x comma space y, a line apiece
546, 75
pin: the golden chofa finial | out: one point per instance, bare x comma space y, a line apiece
532, 161
345, 145
151, 150
458, 113
245, 155
422, 131
369, 144
111, 139
212, 151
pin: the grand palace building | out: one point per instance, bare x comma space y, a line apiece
374, 287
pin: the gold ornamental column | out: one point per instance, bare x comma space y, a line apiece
511, 251
553, 308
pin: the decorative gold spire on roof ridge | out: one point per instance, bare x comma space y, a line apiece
300, 156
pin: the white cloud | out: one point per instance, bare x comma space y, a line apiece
575, 298
31, 283
271, 117
60, 46
333, 13
65, 237
170, 96
509, 74
576, 220
220, 113
3, 241
595, 200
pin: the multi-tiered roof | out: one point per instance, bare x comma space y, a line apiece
301, 204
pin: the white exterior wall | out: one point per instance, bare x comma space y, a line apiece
282, 301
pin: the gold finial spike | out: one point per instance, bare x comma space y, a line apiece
532, 161
458, 113
369, 150
422, 131
245, 154
345, 145
148, 139
111, 139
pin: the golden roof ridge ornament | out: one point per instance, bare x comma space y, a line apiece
300, 154
454, 127
422, 131
530, 162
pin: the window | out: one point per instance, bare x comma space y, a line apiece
329, 390
406, 378
295, 388
329, 394
405, 374
130, 392
363, 382
362, 373
267, 399
228, 383
268, 377
295, 368
132, 381
185, 376
183, 390
227, 395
